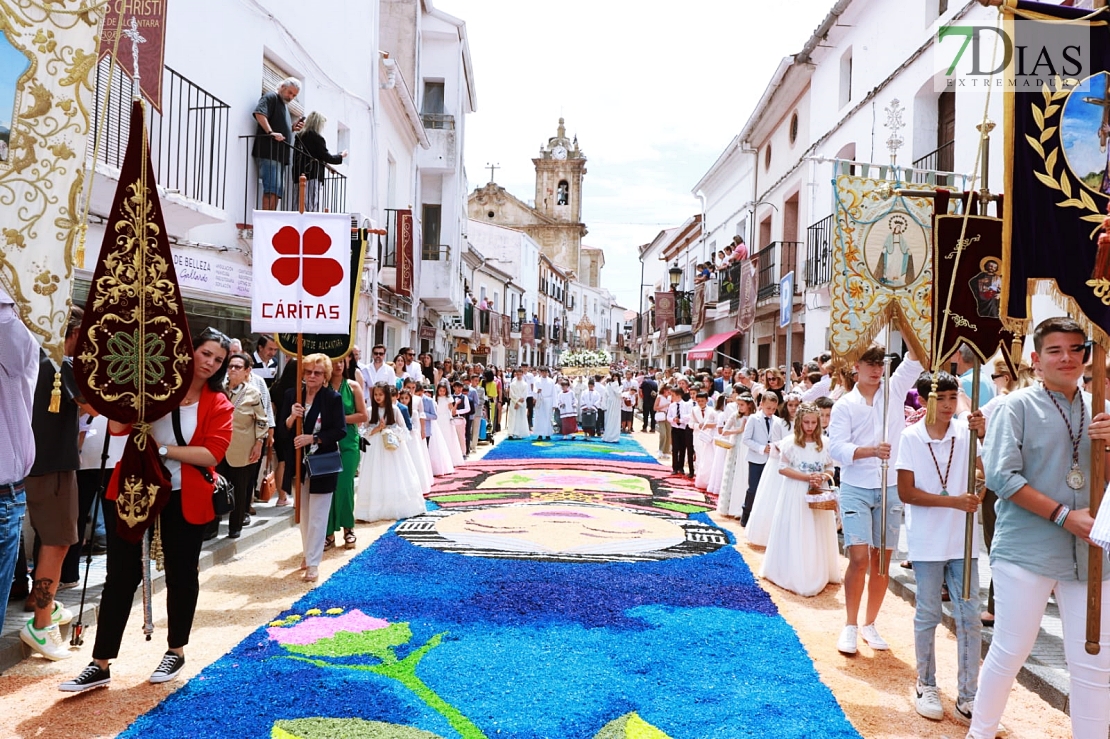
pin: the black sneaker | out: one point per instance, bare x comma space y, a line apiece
91, 677
167, 670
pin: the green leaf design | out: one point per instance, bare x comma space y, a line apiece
126, 360
345, 728
379, 643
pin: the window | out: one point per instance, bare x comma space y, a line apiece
430, 228
846, 78
343, 137
563, 193
942, 7
433, 98
794, 128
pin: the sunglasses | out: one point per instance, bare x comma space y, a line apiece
319, 372
997, 377
236, 366
379, 354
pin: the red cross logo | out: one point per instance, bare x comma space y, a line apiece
303, 254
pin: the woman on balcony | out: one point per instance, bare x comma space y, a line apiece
311, 156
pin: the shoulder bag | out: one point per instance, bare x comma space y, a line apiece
223, 492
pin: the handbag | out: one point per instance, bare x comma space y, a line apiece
223, 492
723, 443
268, 487
328, 463
389, 438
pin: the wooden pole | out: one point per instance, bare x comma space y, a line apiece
1098, 461
884, 467
301, 187
972, 455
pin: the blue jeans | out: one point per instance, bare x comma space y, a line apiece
930, 576
12, 510
861, 515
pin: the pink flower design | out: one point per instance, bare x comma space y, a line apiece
315, 628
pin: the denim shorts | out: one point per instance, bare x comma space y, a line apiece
273, 177
861, 518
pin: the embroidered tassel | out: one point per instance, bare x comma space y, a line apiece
931, 404
79, 256
156, 552
56, 394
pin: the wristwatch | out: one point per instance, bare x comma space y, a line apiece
163, 451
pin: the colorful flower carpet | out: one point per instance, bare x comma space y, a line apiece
577, 596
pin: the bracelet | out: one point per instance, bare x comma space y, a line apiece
1055, 512
1060, 518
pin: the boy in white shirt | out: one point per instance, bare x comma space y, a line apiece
762, 431
932, 484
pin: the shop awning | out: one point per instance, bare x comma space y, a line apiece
708, 348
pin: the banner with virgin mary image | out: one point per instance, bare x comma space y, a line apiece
882, 270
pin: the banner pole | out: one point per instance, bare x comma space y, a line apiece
301, 186
972, 455
885, 464
1098, 468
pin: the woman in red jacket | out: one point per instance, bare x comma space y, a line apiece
205, 421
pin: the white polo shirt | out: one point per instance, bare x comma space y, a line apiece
936, 534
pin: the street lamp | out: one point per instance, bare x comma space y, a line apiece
521, 314
675, 274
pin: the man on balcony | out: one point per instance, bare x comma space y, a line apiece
273, 140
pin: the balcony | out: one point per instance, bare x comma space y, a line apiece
683, 310
440, 122
930, 168
483, 321
773, 262
442, 153
819, 252
435, 252
188, 146
392, 304
539, 327
329, 196
728, 285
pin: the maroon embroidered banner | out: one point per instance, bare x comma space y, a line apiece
134, 357
664, 310
528, 333
405, 255
143, 25
495, 329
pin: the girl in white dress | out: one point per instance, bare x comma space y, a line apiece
734, 481
445, 412
417, 449
438, 455
705, 427
802, 554
726, 418
758, 529
389, 487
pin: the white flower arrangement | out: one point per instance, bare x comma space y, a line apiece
585, 358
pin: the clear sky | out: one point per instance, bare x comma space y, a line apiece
654, 90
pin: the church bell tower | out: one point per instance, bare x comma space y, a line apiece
559, 171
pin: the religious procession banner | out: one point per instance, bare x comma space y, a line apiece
967, 262
134, 357
664, 311
129, 25
494, 329
528, 333
1057, 182
47, 51
748, 291
699, 307
881, 267
335, 345
302, 272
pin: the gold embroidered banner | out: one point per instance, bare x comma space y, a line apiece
882, 270
664, 310
47, 51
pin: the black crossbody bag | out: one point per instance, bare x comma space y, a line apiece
223, 492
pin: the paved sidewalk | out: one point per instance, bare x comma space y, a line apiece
269, 521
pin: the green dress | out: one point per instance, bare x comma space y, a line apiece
342, 515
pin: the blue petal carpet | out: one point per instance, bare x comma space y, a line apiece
635, 618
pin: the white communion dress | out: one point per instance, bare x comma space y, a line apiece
388, 487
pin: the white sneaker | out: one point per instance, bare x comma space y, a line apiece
871, 635
964, 712
48, 642
61, 615
927, 702
846, 644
